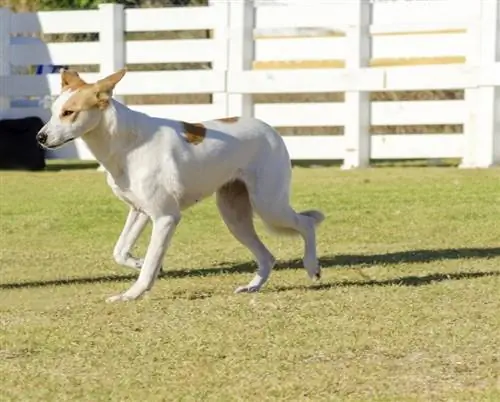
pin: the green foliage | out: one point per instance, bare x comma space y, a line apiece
83, 4
88, 4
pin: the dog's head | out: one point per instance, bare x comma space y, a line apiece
78, 109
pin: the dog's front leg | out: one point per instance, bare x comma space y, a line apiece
163, 230
134, 225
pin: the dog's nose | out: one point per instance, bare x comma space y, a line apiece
41, 137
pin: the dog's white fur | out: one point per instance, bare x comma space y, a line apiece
152, 166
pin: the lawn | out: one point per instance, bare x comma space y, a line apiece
408, 308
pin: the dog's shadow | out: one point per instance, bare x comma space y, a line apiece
346, 261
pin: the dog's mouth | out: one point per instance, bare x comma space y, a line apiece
55, 146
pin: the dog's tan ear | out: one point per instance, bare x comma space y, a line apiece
71, 79
108, 83
105, 86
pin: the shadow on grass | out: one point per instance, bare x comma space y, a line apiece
408, 281
400, 257
55, 167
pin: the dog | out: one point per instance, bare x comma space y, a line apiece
161, 167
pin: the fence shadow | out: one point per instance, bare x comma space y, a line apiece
338, 261
408, 281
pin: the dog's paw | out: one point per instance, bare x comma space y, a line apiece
122, 297
316, 277
247, 289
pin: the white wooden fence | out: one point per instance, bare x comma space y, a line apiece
468, 28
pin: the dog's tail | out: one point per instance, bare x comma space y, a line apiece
314, 214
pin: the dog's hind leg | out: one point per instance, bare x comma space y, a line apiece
282, 219
134, 225
236, 211
269, 195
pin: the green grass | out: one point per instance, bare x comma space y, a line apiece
408, 308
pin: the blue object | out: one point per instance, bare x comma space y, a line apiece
54, 68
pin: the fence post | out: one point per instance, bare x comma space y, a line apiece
112, 39
357, 104
112, 42
241, 53
220, 63
5, 15
472, 95
486, 149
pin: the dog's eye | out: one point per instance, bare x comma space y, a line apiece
67, 113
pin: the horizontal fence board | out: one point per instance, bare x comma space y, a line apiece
190, 113
321, 147
50, 22
171, 82
420, 78
395, 16
38, 85
366, 79
417, 146
382, 113
274, 81
134, 83
419, 45
171, 19
304, 81
335, 15
393, 46
419, 27
300, 49
56, 53
414, 12
301, 114
418, 112
173, 51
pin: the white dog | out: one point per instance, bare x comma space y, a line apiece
160, 167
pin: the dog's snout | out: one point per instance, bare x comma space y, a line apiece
41, 137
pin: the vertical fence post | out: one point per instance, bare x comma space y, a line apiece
472, 95
5, 15
112, 39
357, 104
241, 52
112, 42
487, 146
220, 64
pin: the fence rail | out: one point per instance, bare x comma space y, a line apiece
359, 34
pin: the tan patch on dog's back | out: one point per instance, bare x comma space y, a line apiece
233, 119
194, 133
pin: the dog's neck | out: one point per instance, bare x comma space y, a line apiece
117, 132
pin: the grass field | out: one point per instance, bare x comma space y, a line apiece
408, 308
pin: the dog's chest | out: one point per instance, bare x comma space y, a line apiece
124, 194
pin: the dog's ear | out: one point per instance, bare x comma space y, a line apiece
71, 79
108, 83
104, 87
